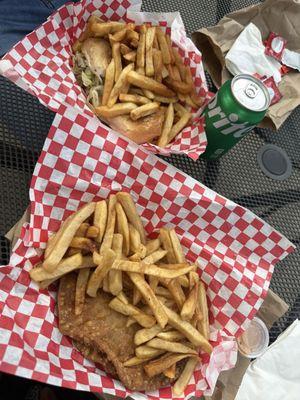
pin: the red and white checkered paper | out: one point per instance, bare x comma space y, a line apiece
41, 63
235, 250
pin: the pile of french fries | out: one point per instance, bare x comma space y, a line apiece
146, 73
150, 282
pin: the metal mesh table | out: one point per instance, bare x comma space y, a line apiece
24, 124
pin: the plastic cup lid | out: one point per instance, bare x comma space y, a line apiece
255, 340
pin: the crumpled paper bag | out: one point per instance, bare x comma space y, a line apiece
280, 16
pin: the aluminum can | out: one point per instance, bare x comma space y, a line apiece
239, 105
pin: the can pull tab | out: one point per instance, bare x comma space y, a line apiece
251, 90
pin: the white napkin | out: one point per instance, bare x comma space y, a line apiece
247, 56
276, 374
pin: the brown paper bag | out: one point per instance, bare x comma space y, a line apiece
280, 16
229, 381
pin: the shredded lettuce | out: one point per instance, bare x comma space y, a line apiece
91, 83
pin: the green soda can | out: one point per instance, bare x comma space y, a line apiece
240, 104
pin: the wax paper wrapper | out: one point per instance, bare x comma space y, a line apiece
42, 62
81, 162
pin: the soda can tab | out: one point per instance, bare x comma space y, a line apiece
273, 90
275, 46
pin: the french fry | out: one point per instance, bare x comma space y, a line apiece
65, 236
145, 82
92, 232
144, 335
161, 291
150, 34
130, 321
114, 276
171, 336
81, 284
105, 284
83, 243
180, 109
183, 281
166, 100
134, 43
140, 55
150, 298
174, 266
81, 231
130, 210
122, 297
180, 258
179, 126
146, 352
189, 306
144, 110
110, 226
137, 296
140, 267
97, 258
119, 85
132, 35
123, 228
118, 36
108, 82
176, 73
51, 243
44, 284
143, 319
134, 90
116, 55
124, 49
135, 239
152, 246
164, 235
66, 265
100, 219
204, 323
193, 279
157, 64
134, 361
153, 282
158, 366
97, 277
168, 123
178, 86
115, 110
164, 72
163, 45
150, 95
172, 347
169, 43
154, 256
170, 372
187, 330
134, 98
185, 376
131, 56
104, 28
177, 292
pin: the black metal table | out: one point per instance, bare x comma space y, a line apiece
24, 124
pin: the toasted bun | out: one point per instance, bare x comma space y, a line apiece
141, 131
98, 54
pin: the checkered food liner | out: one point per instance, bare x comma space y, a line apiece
235, 250
41, 62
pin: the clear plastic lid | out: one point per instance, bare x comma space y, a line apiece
255, 340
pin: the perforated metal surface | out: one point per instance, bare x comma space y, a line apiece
24, 124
